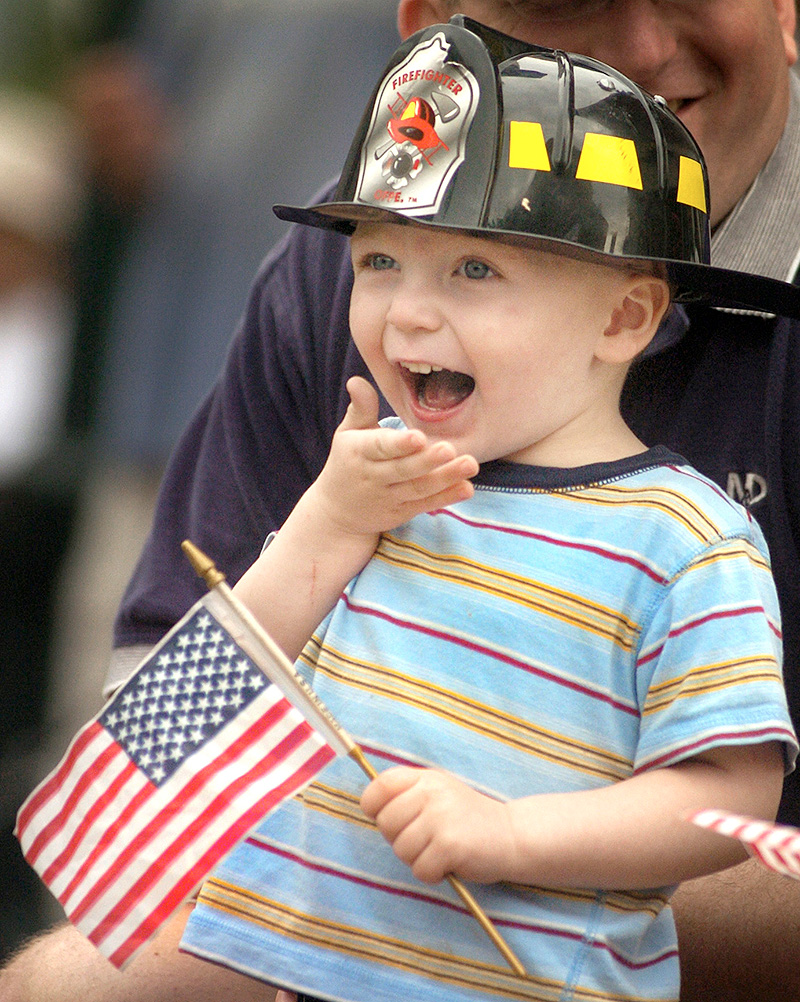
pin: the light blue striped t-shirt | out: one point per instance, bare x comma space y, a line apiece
561, 630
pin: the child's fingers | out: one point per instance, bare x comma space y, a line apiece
403, 827
460, 491
408, 457
398, 804
388, 444
386, 787
434, 484
362, 411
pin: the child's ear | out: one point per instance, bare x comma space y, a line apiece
643, 301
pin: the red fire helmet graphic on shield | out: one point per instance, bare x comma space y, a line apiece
415, 127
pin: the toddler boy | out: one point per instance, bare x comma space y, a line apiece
552, 640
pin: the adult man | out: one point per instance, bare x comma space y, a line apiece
264, 433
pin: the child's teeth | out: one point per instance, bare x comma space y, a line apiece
422, 367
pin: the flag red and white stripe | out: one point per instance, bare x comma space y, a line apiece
190, 754
776, 846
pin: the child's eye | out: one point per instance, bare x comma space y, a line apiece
379, 262
475, 269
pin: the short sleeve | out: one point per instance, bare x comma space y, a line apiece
709, 663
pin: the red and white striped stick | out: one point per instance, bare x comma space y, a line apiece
776, 846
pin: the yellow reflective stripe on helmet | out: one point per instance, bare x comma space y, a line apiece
526, 147
610, 159
691, 187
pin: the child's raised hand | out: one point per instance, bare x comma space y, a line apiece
374, 480
377, 478
439, 825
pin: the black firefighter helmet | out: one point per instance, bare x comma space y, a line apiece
473, 130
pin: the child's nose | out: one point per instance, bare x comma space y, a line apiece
414, 309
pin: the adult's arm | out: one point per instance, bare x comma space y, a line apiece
738, 932
62, 965
257, 441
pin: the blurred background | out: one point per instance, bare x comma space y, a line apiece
142, 145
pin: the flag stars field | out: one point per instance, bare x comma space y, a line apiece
195, 685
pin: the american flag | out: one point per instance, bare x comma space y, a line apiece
190, 754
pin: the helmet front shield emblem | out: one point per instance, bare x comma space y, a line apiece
416, 139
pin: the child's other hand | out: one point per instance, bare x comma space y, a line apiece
377, 478
438, 825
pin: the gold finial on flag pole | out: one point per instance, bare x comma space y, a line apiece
206, 569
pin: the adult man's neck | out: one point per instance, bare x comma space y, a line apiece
762, 234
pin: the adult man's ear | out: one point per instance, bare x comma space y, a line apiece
786, 13
415, 14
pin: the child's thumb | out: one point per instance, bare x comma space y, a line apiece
362, 412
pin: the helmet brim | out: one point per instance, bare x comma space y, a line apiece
691, 282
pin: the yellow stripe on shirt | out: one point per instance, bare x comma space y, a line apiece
455, 707
547, 600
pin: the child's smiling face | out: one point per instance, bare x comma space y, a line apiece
496, 348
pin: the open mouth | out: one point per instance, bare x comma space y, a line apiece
436, 388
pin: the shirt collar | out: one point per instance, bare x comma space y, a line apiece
506, 475
762, 234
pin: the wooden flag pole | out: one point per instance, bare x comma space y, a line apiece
318, 715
